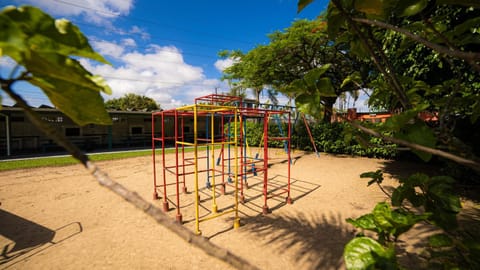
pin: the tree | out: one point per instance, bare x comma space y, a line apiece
426, 57
300, 62
132, 102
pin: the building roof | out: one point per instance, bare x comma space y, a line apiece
46, 108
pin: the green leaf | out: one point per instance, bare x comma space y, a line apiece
441, 190
406, 192
302, 4
398, 121
335, 21
46, 35
371, 182
366, 253
394, 222
357, 48
354, 78
45, 48
325, 87
440, 240
376, 175
315, 83
83, 106
382, 214
375, 9
303, 99
365, 222
11, 38
315, 74
297, 86
419, 133
466, 32
407, 8
63, 68
370, 6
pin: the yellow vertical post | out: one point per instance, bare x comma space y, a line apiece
212, 138
195, 159
236, 221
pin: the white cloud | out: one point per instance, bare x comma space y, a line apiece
106, 48
129, 42
135, 30
97, 11
223, 64
160, 73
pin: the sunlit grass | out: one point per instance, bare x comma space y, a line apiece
68, 160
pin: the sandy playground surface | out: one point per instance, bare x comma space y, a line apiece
61, 218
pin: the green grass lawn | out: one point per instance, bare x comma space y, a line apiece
68, 160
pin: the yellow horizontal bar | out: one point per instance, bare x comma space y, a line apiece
219, 107
216, 215
186, 108
185, 143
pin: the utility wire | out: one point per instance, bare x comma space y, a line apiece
125, 33
148, 21
169, 51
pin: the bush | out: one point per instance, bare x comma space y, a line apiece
335, 138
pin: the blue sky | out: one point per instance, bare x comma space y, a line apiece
167, 50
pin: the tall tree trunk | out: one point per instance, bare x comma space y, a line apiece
257, 95
328, 109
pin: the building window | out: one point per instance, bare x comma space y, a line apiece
136, 130
186, 129
72, 131
118, 119
53, 119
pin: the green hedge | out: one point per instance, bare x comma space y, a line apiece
335, 138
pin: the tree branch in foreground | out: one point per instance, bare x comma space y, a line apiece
470, 57
390, 76
460, 160
132, 197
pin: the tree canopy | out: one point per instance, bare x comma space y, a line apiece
132, 102
301, 62
424, 56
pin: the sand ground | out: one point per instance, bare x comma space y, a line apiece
61, 218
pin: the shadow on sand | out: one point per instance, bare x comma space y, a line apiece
26, 238
317, 241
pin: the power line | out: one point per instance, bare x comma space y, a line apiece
173, 52
148, 21
153, 81
124, 33
39, 93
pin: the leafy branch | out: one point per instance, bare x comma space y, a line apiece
470, 57
475, 165
380, 61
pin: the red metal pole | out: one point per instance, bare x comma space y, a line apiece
179, 215
265, 163
222, 130
165, 202
242, 163
289, 199
155, 194
183, 155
